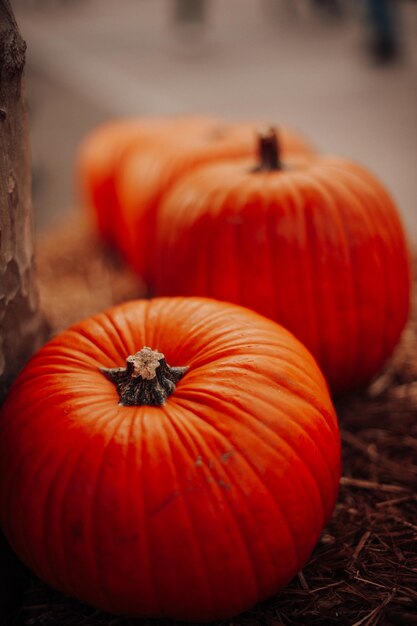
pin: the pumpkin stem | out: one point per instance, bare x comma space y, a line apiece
146, 379
269, 151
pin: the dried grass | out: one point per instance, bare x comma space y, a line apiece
364, 569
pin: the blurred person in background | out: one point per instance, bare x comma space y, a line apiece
382, 16
382, 25
190, 10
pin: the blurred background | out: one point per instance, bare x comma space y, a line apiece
343, 72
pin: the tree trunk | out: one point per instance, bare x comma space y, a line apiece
22, 329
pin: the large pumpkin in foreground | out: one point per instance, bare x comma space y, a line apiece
196, 504
313, 242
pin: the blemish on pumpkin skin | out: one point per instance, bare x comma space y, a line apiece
224, 457
227, 455
199, 461
165, 502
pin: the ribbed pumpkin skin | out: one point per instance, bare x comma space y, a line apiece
318, 248
193, 510
98, 156
147, 175
103, 151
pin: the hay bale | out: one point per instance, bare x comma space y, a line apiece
79, 276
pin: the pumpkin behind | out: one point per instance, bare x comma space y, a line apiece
103, 152
146, 176
317, 246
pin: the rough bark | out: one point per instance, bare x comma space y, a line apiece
21, 327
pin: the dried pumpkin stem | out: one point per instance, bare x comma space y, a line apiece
146, 379
269, 151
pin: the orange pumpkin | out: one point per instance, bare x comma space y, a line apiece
190, 491
147, 175
103, 152
314, 243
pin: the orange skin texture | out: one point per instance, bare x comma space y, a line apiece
317, 247
148, 174
196, 509
104, 150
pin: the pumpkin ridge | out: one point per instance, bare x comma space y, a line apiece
266, 552
235, 358
56, 478
250, 204
271, 244
204, 327
353, 295
49, 394
30, 560
255, 433
282, 381
68, 587
362, 197
90, 512
240, 250
327, 424
357, 200
80, 332
311, 322
287, 443
18, 455
93, 512
251, 467
220, 200
218, 207
139, 427
259, 478
129, 485
118, 332
273, 220
7, 513
280, 508
309, 208
185, 508
233, 522
395, 239
317, 205
390, 217
312, 184
29, 487
193, 434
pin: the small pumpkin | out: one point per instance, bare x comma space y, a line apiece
146, 176
312, 242
103, 151
189, 480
